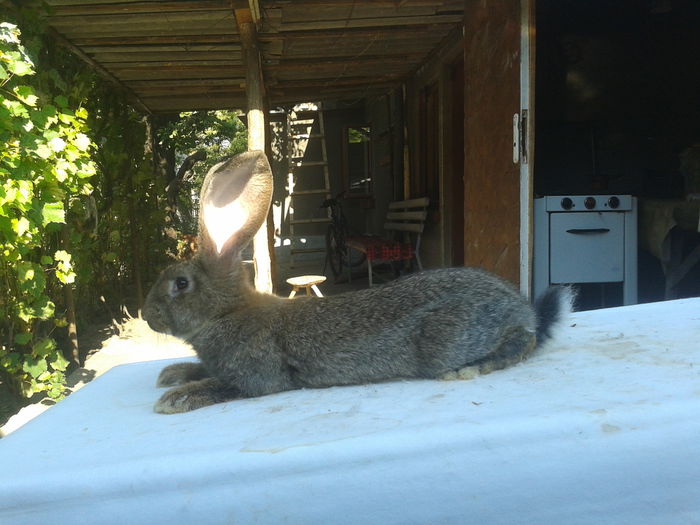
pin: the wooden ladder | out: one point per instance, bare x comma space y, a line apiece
306, 201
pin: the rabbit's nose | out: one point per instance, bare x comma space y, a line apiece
149, 313
155, 325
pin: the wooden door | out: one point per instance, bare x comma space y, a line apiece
496, 186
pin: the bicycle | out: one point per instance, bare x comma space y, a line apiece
336, 251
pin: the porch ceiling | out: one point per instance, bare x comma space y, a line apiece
178, 55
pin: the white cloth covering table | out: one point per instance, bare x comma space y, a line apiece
601, 426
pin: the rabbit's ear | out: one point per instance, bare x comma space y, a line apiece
233, 204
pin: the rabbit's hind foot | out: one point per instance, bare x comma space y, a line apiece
194, 395
180, 374
466, 373
515, 346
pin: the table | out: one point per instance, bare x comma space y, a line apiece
307, 282
601, 426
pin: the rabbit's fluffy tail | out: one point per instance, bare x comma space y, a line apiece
551, 308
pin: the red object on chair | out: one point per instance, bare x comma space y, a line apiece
405, 218
377, 248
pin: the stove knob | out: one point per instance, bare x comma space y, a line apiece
567, 203
614, 202
589, 203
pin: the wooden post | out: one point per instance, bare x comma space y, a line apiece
256, 135
270, 215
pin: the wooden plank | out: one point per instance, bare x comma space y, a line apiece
87, 3
373, 71
178, 73
361, 10
367, 22
379, 81
203, 39
201, 57
191, 101
189, 65
377, 47
410, 203
317, 220
176, 90
138, 6
303, 193
228, 69
344, 33
492, 96
322, 95
269, 4
314, 87
121, 33
404, 227
344, 62
231, 81
407, 215
196, 103
92, 23
144, 48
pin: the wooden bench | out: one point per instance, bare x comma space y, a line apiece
405, 221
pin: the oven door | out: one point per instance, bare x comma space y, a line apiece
587, 247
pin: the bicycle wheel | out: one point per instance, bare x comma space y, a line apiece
354, 258
335, 252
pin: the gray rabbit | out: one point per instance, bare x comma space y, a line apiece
445, 323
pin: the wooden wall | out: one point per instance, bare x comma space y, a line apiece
492, 95
433, 170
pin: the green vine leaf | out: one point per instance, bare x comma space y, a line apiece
62, 255
58, 362
23, 339
44, 347
53, 212
35, 366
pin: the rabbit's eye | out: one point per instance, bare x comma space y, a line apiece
181, 283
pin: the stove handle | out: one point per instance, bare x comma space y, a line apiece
587, 231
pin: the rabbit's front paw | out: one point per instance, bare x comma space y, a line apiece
194, 395
180, 374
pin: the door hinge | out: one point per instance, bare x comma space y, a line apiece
520, 125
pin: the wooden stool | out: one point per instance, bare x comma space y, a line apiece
308, 282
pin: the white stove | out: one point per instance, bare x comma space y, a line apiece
586, 239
